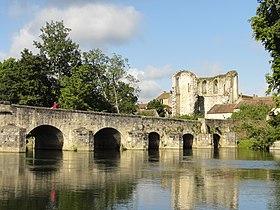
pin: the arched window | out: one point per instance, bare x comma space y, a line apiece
177, 85
215, 87
189, 88
204, 87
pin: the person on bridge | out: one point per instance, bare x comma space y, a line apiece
55, 105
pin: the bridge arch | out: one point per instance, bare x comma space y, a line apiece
45, 137
153, 141
107, 139
188, 141
216, 140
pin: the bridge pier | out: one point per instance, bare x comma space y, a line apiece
81, 139
12, 139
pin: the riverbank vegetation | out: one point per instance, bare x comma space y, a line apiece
260, 132
61, 72
253, 128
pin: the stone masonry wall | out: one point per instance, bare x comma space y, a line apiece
79, 127
198, 95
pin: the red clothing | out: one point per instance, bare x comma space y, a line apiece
55, 105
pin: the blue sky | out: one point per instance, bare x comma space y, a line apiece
158, 37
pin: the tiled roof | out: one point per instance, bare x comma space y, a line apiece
256, 101
222, 108
229, 108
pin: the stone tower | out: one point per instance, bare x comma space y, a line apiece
191, 94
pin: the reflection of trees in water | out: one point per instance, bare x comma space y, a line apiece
107, 180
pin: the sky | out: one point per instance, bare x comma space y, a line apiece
158, 37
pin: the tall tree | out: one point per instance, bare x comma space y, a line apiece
266, 28
116, 85
81, 91
25, 81
9, 81
36, 85
62, 53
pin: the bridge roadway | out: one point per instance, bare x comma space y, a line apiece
24, 127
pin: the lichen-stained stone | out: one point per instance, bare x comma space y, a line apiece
12, 139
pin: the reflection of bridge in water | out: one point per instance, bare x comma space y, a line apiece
85, 131
106, 180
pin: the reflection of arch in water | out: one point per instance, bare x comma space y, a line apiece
153, 155
44, 160
154, 139
107, 139
46, 137
187, 141
216, 140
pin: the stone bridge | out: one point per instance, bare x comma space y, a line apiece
24, 127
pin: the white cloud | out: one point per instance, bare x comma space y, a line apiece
93, 25
24, 39
150, 79
159, 73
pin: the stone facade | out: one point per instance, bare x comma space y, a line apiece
191, 94
76, 130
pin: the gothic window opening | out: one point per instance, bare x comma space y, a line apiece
177, 85
204, 91
215, 87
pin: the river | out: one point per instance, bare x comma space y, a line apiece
168, 179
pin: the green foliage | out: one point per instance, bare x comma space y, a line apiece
266, 28
190, 117
245, 143
25, 81
93, 81
60, 51
100, 83
251, 112
253, 129
81, 92
158, 106
9, 83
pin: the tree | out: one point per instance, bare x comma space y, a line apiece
36, 85
25, 81
253, 128
112, 78
61, 52
9, 81
81, 91
266, 29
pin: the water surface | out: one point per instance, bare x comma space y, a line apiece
169, 179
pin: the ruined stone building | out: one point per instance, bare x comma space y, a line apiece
192, 94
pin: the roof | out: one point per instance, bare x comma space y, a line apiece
164, 95
256, 101
229, 108
222, 108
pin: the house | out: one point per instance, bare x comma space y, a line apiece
224, 111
